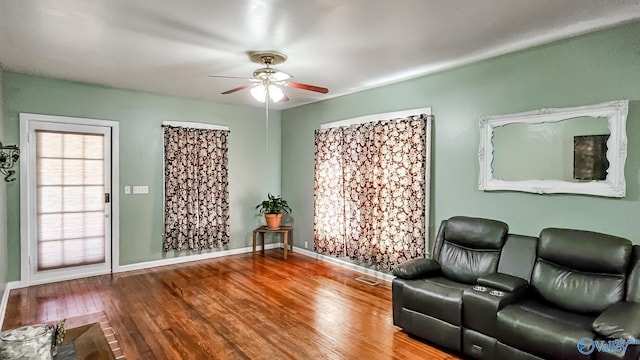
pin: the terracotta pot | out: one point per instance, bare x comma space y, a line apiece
273, 220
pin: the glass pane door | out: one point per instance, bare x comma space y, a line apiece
69, 208
70, 199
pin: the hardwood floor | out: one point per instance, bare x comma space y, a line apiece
236, 307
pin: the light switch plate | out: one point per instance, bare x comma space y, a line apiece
140, 189
127, 190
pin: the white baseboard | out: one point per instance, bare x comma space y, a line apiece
369, 272
184, 259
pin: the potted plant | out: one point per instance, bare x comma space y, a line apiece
272, 208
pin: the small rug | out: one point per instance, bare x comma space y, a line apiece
108, 331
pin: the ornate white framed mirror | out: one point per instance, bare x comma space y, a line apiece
576, 150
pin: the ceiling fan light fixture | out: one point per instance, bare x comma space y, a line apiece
275, 93
260, 93
280, 76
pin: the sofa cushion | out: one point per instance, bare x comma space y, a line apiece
468, 247
465, 265
436, 297
543, 330
476, 233
583, 250
577, 291
581, 271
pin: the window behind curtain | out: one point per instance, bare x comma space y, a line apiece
196, 188
369, 194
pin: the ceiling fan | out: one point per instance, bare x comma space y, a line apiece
268, 82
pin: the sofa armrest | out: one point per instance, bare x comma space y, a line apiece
619, 321
416, 268
503, 282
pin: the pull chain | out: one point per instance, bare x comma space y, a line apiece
266, 115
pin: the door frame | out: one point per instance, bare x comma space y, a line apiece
26, 177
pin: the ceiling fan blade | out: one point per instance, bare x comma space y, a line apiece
236, 89
308, 87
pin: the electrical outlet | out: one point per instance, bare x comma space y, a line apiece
306, 244
127, 190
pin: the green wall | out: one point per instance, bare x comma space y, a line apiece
3, 207
585, 70
252, 171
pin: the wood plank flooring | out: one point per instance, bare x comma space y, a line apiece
237, 307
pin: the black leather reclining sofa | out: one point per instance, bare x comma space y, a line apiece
489, 294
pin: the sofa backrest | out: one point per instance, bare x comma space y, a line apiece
581, 271
633, 280
518, 256
468, 247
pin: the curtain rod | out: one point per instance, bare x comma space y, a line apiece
195, 128
194, 125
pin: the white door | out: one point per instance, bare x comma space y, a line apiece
69, 201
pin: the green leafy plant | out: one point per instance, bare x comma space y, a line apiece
273, 205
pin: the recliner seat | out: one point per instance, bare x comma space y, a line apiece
431, 307
577, 276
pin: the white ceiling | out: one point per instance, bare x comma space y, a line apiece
170, 47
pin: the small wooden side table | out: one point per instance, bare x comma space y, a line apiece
287, 236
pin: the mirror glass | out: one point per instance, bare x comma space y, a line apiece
568, 150
576, 150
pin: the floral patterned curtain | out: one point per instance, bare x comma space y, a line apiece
329, 202
196, 189
370, 191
